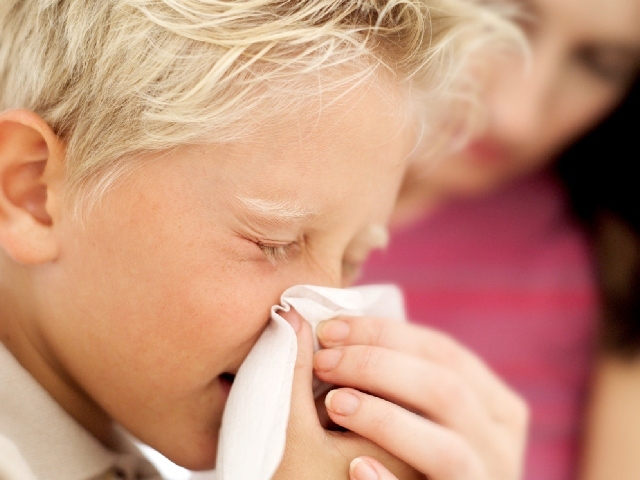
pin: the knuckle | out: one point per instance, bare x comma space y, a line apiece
517, 415
522, 413
445, 348
382, 422
375, 331
369, 362
302, 362
510, 463
450, 395
457, 460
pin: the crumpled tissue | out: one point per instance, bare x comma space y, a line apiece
254, 422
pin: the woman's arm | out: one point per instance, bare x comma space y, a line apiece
612, 442
418, 399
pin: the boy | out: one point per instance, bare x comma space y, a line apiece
168, 168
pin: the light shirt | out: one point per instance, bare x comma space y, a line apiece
39, 440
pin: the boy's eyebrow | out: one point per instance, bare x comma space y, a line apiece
276, 211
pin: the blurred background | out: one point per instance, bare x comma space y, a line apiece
524, 246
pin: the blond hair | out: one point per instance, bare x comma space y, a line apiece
118, 77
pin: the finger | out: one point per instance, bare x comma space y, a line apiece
429, 344
367, 468
307, 441
302, 402
429, 390
416, 340
405, 434
302, 425
418, 385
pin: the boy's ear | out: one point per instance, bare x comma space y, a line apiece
31, 166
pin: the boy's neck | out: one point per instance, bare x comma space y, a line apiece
16, 318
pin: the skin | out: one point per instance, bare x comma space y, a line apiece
611, 446
186, 275
584, 56
428, 401
613, 422
478, 423
138, 314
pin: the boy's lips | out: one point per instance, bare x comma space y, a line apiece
226, 381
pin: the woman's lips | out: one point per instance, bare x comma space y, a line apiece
488, 153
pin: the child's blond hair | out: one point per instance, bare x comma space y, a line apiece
119, 77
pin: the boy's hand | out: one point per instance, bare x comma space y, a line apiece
430, 401
312, 452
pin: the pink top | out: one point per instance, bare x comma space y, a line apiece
510, 276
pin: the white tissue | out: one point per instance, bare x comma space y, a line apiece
254, 422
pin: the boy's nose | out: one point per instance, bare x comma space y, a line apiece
325, 272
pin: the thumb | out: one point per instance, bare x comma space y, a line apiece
303, 425
302, 401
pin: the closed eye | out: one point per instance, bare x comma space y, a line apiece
277, 253
614, 65
274, 253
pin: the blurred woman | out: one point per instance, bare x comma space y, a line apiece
488, 247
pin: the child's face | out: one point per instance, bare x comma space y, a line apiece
170, 282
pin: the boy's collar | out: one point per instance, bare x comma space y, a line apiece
51, 442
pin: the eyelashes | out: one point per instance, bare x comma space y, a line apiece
615, 69
280, 253
276, 253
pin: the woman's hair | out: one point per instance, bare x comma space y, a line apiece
601, 179
115, 78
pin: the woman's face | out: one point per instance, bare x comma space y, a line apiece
585, 55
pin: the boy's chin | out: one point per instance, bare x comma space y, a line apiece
199, 451
192, 450
199, 458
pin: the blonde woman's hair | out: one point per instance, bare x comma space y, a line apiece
114, 78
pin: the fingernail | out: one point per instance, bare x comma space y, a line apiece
292, 319
341, 402
327, 359
361, 470
333, 331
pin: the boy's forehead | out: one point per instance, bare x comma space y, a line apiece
284, 213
